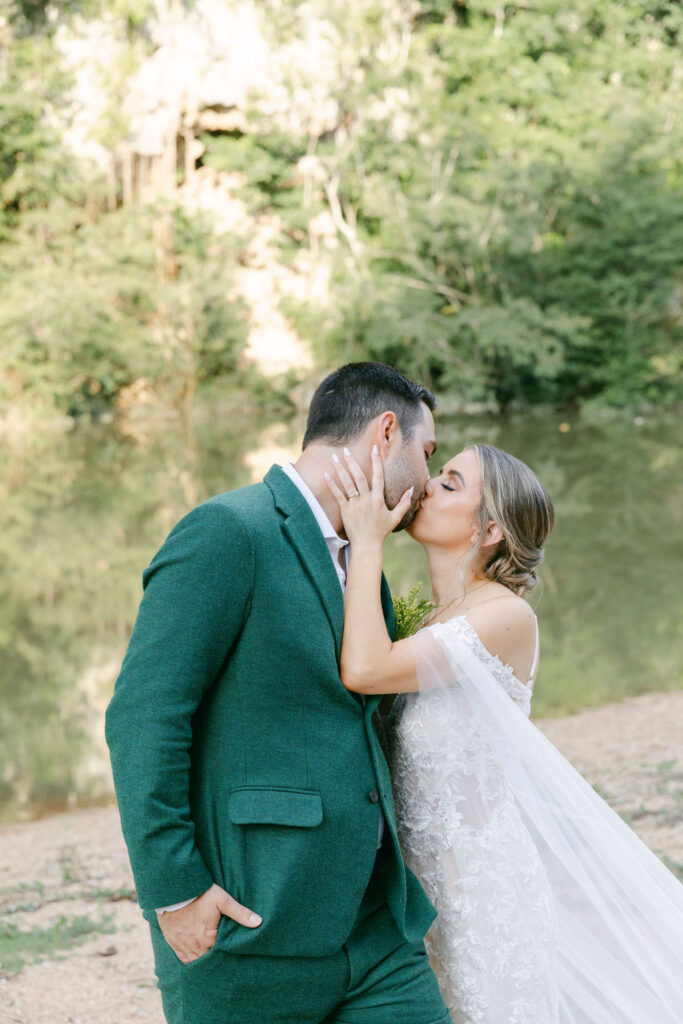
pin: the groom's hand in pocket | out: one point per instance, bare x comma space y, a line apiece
191, 930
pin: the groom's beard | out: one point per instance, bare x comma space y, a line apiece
408, 518
397, 481
392, 501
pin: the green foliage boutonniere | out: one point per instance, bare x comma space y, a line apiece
409, 612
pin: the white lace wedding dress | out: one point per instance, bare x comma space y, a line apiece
550, 909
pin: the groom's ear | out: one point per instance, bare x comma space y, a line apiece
388, 431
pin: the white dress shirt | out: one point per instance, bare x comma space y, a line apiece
335, 544
332, 539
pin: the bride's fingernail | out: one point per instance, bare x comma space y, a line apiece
375, 450
327, 476
411, 491
335, 458
347, 452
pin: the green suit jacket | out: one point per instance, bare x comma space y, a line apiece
238, 755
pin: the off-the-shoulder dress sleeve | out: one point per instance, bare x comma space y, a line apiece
430, 646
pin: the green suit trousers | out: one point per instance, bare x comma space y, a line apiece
376, 977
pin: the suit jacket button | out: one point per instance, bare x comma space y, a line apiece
373, 796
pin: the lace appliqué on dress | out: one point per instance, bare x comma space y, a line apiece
493, 943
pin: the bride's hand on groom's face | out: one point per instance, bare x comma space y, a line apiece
364, 512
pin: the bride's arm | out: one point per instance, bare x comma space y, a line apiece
370, 662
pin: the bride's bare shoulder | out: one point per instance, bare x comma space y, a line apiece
507, 627
503, 615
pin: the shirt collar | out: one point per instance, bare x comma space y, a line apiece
328, 530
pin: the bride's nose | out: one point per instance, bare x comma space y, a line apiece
429, 487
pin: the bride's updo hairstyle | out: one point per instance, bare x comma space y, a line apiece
516, 500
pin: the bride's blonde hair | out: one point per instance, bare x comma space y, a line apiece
516, 500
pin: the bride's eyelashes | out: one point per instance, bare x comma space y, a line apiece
447, 488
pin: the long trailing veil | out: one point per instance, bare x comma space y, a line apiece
618, 909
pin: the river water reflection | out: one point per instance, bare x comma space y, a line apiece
84, 512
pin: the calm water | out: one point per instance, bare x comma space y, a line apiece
84, 512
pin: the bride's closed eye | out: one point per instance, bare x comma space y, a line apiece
445, 486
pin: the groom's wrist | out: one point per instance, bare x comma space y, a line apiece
176, 906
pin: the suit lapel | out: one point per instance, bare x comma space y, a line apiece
303, 533
388, 608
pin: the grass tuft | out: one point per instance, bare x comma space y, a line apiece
19, 947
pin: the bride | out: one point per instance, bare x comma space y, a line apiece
550, 909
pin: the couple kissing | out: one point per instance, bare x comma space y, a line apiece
307, 849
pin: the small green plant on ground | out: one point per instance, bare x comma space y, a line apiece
18, 947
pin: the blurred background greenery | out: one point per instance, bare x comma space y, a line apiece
204, 205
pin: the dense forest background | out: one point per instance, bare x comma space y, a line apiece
204, 205
488, 194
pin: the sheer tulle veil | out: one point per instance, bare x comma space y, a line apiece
619, 910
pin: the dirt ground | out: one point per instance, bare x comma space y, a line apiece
76, 864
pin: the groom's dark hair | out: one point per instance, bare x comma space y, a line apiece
351, 396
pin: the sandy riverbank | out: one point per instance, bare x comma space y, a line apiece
75, 864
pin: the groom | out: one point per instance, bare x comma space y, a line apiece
254, 796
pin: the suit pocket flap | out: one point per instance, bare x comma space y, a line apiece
256, 805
